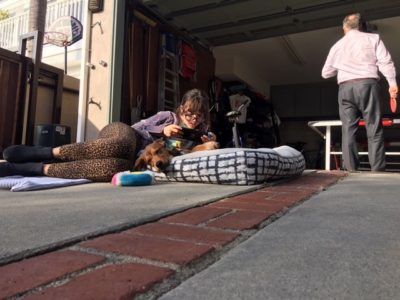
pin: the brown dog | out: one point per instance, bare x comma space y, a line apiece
157, 156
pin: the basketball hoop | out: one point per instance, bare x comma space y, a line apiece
64, 32
56, 38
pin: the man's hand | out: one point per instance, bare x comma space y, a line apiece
393, 91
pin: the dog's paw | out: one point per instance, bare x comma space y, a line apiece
211, 145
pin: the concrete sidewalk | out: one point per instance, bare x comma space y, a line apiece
341, 243
36, 221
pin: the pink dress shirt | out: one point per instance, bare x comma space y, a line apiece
359, 55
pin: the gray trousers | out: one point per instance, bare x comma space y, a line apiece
360, 99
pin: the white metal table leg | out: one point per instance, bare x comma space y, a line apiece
328, 148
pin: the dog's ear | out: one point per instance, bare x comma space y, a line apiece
141, 162
161, 141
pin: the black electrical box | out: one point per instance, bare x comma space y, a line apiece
52, 135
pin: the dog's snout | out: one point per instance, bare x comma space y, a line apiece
161, 165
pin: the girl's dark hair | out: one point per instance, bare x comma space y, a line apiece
196, 100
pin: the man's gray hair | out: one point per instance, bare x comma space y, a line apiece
352, 21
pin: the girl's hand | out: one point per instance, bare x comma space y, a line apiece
211, 137
172, 130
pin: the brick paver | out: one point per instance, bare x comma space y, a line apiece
196, 215
111, 282
27, 274
186, 233
240, 220
154, 248
249, 204
265, 196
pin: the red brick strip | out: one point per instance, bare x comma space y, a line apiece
21, 276
164, 248
111, 282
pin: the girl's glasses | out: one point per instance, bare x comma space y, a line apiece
189, 116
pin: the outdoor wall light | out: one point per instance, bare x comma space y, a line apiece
96, 5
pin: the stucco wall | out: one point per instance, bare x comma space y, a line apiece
98, 109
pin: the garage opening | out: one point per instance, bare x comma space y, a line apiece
270, 52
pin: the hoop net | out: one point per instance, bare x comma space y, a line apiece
56, 38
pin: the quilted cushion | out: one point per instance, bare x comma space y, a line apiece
236, 166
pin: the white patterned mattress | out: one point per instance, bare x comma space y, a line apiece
235, 166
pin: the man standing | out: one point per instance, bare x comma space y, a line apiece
356, 59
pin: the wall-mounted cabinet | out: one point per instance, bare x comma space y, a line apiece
306, 100
283, 99
317, 101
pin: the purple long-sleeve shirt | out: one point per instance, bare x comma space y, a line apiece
151, 128
359, 55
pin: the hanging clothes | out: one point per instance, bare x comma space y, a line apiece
236, 100
188, 61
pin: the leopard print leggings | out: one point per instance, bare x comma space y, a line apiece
113, 151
